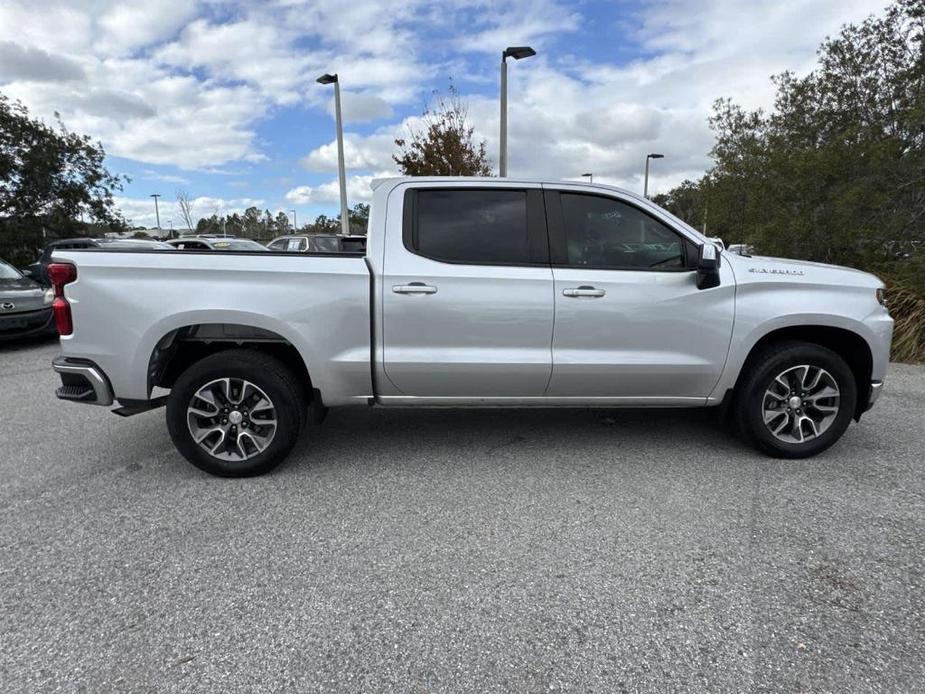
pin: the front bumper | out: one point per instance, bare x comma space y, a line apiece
14, 326
876, 387
82, 381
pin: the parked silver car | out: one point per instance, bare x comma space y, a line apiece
212, 243
25, 306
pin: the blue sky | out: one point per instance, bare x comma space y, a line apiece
218, 98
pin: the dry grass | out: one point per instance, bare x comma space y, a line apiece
907, 307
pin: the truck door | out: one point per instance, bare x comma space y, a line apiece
467, 291
630, 321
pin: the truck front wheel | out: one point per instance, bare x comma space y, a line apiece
796, 400
236, 413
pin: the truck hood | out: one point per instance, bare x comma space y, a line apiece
759, 268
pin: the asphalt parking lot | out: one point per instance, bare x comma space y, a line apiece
467, 551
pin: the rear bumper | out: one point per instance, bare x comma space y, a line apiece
82, 381
14, 326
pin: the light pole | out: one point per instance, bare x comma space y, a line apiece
645, 189
157, 213
341, 169
294, 224
515, 52
589, 176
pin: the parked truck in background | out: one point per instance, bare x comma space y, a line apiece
472, 293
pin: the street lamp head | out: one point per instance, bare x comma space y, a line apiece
327, 79
517, 52
656, 156
587, 175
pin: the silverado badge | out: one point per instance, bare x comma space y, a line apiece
776, 271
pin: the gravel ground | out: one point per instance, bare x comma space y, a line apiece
469, 551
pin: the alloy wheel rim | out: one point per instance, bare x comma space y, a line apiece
801, 403
231, 419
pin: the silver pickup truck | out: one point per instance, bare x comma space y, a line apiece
472, 293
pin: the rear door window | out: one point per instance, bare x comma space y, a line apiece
478, 226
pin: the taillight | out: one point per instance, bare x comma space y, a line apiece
62, 311
61, 274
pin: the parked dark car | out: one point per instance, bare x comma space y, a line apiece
319, 243
38, 270
25, 306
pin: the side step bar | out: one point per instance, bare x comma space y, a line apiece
132, 407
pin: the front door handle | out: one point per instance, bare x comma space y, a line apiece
584, 292
414, 288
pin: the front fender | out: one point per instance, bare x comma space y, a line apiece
762, 308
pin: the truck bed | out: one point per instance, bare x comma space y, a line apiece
129, 300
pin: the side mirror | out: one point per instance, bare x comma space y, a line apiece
708, 266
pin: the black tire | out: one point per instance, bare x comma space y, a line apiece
263, 371
750, 397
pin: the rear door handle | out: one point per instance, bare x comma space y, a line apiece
584, 291
414, 288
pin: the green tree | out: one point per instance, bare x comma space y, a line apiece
358, 217
835, 171
282, 226
52, 183
324, 225
445, 146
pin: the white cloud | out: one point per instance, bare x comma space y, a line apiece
68, 29
372, 152
358, 190
251, 51
571, 117
35, 65
126, 26
519, 23
359, 107
167, 178
188, 84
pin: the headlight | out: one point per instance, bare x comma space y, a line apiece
881, 296
49, 296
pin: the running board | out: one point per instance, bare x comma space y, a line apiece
139, 406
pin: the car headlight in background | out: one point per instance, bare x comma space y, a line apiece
881, 296
49, 296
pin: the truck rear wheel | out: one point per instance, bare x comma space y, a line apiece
236, 413
797, 400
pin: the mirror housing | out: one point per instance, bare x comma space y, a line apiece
708, 263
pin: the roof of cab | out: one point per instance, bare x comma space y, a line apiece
488, 180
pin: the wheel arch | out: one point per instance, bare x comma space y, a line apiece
180, 347
848, 344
